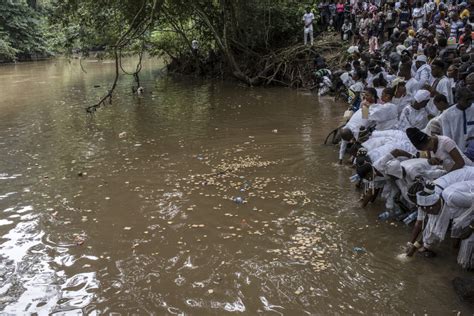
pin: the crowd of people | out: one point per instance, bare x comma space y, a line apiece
409, 127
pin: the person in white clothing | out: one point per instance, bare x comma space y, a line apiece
411, 84
308, 18
423, 70
384, 114
442, 206
440, 84
418, 16
350, 131
415, 115
441, 150
401, 97
441, 183
457, 122
434, 125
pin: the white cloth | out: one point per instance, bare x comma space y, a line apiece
402, 102
458, 125
412, 86
411, 117
466, 249
308, 20
385, 116
460, 175
433, 125
457, 198
379, 152
445, 146
357, 87
354, 124
346, 79
421, 167
445, 88
422, 95
465, 255
423, 75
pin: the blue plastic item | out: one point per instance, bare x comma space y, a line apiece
359, 250
354, 178
411, 218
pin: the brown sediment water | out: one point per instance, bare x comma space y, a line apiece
134, 211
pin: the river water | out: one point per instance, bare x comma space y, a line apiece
132, 211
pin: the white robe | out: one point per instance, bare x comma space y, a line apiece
460, 223
354, 124
412, 86
457, 198
385, 116
458, 125
464, 174
443, 87
347, 79
411, 117
423, 75
402, 102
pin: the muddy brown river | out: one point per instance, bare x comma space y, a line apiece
198, 198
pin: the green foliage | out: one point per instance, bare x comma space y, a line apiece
22, 31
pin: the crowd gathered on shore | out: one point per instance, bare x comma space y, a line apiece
409, 127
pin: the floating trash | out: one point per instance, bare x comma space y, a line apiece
238, 200
359, 250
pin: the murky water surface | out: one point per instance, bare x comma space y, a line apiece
134, 212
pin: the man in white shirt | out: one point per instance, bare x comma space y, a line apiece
308, 18
457, 122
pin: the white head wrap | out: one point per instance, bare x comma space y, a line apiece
422, 95
422, 58
427, 200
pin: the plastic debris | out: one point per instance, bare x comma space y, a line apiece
238, 200
410, 218
359, 250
